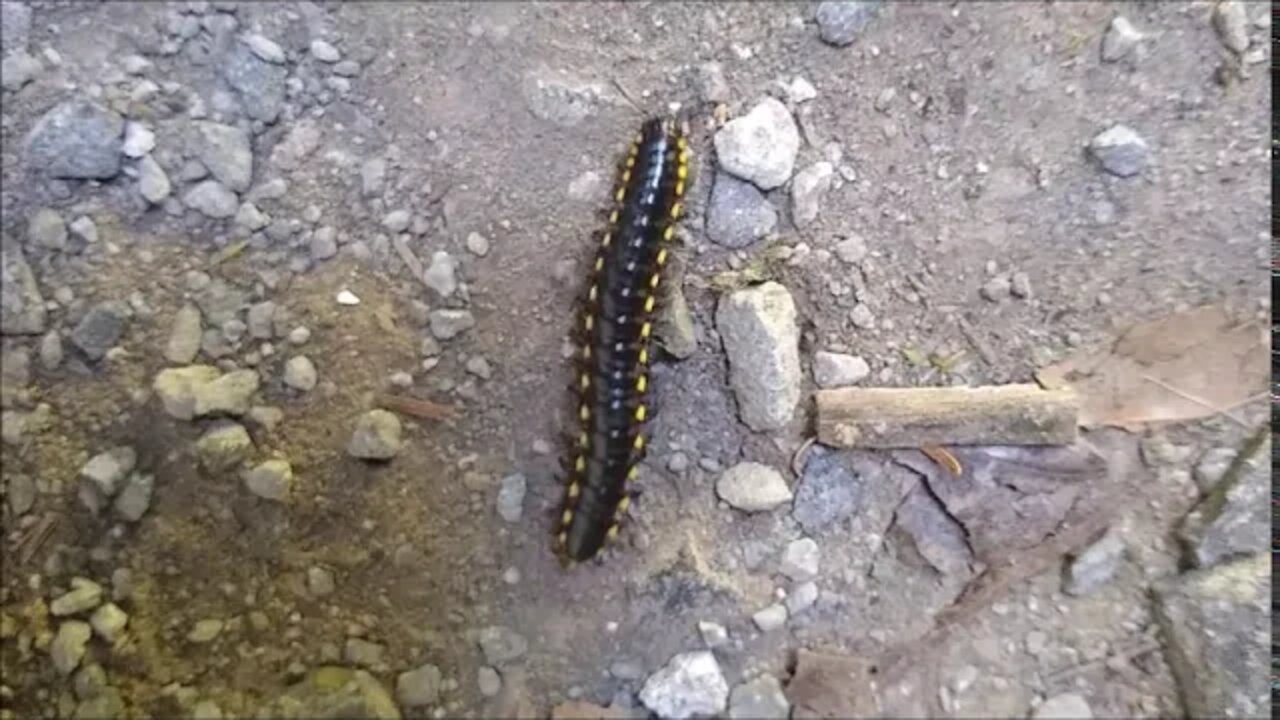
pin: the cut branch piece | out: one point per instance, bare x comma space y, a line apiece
916, 417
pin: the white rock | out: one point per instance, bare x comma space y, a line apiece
807, 189
153, 183
770, 618
689, 684
761, 339
1120, 39
1120, 151
324, 52
265, 48
1232, 24
800, 560
138, 140
346, 297
752, 487
300, 373
212, 199
800, 90
760, 146
440, 276
836, 370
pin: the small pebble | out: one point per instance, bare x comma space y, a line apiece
346, 297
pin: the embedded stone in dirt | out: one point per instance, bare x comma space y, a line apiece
211, 199
1120, 151
502, 644
22, 310
134, 500
761, 340
333, 692
100, 329
840, 23
300, 373
1120, 39
759, 698
1067, 706
770, 618
100, 478
689, 684
270, 480
418, 687
184, 338
227, 152
376, 437
760, 146
223, 447
1095, 565
836, 369
153, 183
68, 647
511, 497
448, 323
828, 492
752, 487
1235, 518
47, 229
800, 559
259, 84
738, 214
77, 139
807, 189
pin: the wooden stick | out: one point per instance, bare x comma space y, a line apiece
915, 417
414, 407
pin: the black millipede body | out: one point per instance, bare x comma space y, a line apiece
613, 379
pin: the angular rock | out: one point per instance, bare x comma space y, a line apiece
223, 447
800, 560
828, 492
710, 83
300, 373
265, 48
1216, 624
84, 595
761, 339
324, 51
852, 249
109, 621
770, 618
713, 634
738, 214
674, 329
1120, 39
373, 173
138, 140
801, 598
68, 647
1120, 151
502, 644
227, 152
448, 323
47, 229
259, 84
1232, 23
752, 487
15, 26
690, 684
270, 479
922, 532
153, 183
511, 494
1235, 518
301, 142
807, 190
135, 499
1095, 565
759, 699
211, 199
22, 310
77, 139
333, 693
226, 395
418, 687
836, 370
100, 329
560, 97
840, 23
760, 146
397, 221
376, 436
101, 477
184, 337
439, 276
176, 388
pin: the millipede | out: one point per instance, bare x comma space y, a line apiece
615, 327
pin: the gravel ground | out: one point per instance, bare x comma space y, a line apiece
232, 229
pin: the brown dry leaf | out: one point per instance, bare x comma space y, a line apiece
1185, 366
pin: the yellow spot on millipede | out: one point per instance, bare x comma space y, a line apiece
604, 242
648, 303
642, 382
675, 210
669, 233
592, 295
623, 504
588, 322
599, 264
662, 254
584, 440
633, 473
573, 491
613, 217
581, 464
622, 191
585, 382
682, 143
584, 412
586, 352
566, 517
645, 329
639, 443
626, 176
653, 281
682, 171
644, 356
640, 413
679, 189
613, 533
562, 539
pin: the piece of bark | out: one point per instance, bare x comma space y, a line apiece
914, 417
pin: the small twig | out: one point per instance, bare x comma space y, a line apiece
415, 407
626, 95
797, 459
985, 352
1197, 400
1067, 674
36, 538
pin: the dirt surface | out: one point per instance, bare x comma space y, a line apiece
994, 244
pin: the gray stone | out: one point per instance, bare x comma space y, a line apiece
479, 367
346, 68
502, 644
101, 477
1120, 39
511, 497
397, 221
320, 582
761, 340
738, 214
300, 373
15, 26
801, 598
1212, 467
364, 653
223, 447
138, 140
1232, 24
752, 487
47, 229
448, 323
184, 337
1020, 285
84, 228
922, 531
1235, 518
1066, 706
226, 395
261, 319
674, 329
477, 244
265, 48
211, 199
373, 173
713, 634
840, 23
270, 479
324, 52
332, 693
1095, 565
17, 69
1216, 624
418, 687
22, 310
68, 646
770, 618
800, 560
100, 329
324, 243
251, 218
807, 190
759, 699
153, 183
227, 152
489, 681
109, 621
1120, 151
440, 275
376, 436
205, 631
828, 492
852, 249
83, 596
21, 494
862, 317
996, 289
177, 388
836, 370
711, 84
760, 146
77, 139
301, 142
689, 685
135, 499
259, 84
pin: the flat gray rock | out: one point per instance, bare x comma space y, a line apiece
22, 310
77, 139
1235, 518
739, 214
761, 339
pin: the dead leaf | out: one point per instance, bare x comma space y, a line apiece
1185, 366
